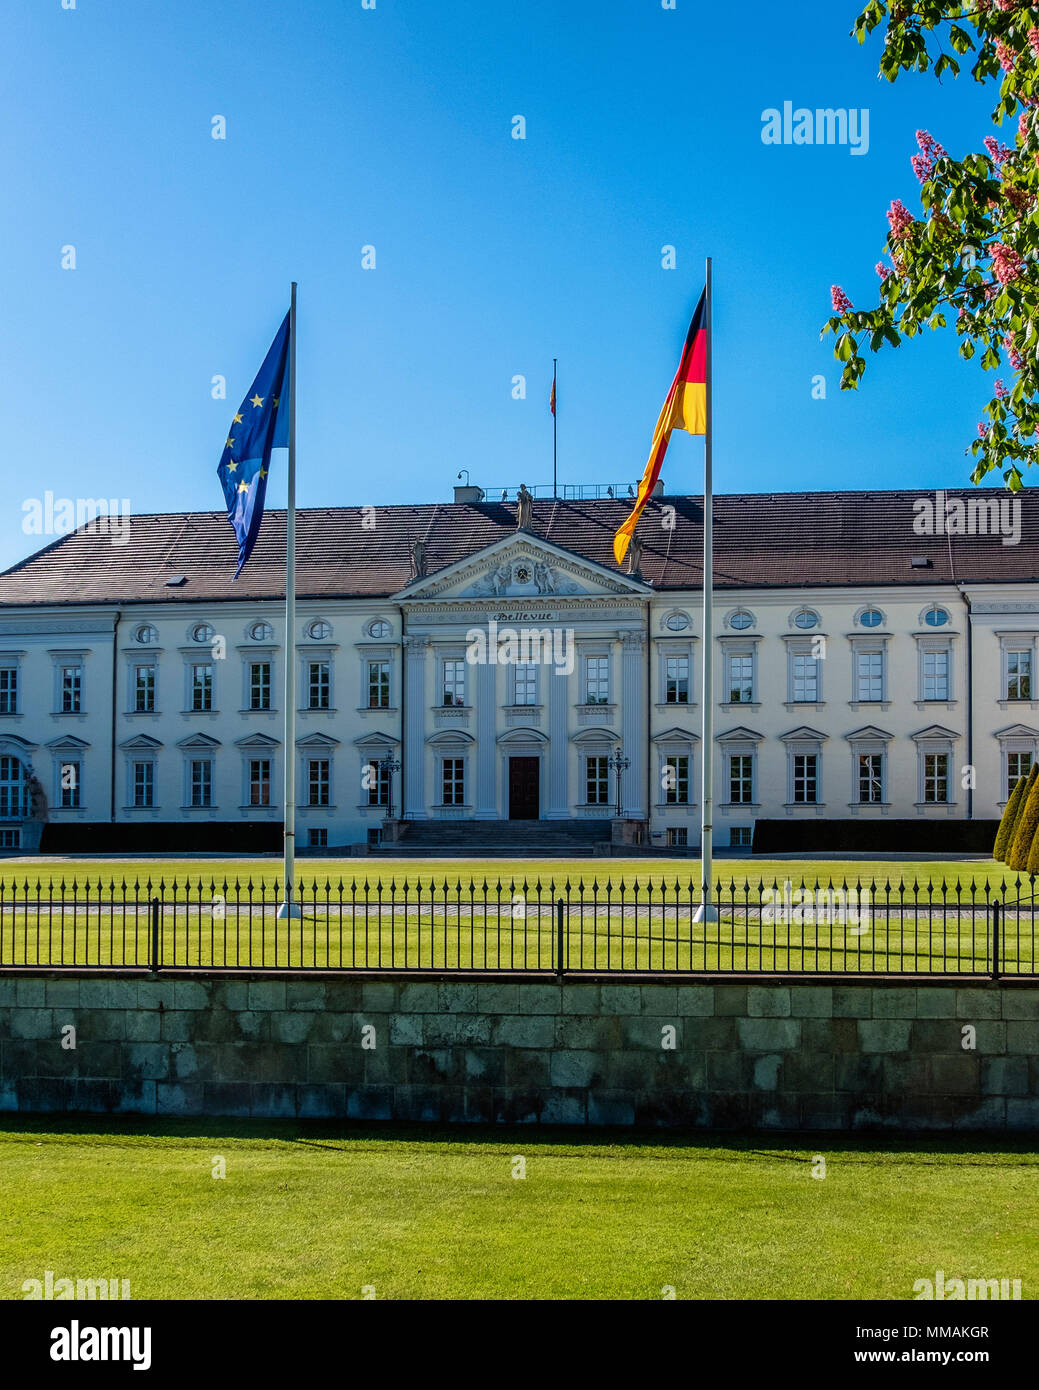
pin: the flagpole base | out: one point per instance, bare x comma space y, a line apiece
289, 910
706, 913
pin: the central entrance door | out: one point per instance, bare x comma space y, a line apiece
524, 788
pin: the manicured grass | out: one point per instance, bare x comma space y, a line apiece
307, 1213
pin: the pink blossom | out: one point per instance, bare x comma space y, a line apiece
922, 167
982, 429
883, 270
1006, 263
1001, 390
1033, 40
1005, 55
899, 218
997, 152
841, 302
1015, 358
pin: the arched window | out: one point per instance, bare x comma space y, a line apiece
145, 634
319, 629
379, 628
805, 618
261, 632
202, 632
871, 617
740, 620
936, 617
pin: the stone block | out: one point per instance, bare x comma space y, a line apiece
981, 1001
230, 1098
484, 1066
419, 998
811, 1001
565, 1107
62, 994
581, 999
730, 1000
764, 1001
825, 1111
990, 1113
231, 994
765, 1075
1023, 1112
1023, 1037
576, 1068
343, 996
540, 999
335, 1064
769, 1034
292, 1026
386, 1066
936, 1001
808, 1072
191, 994
1004, 1076
956, 1076
378, 997
707, 1034
668, 1107
730, 1072
527, 1069
500, 999
174, 1026
897, 1002
660, 1001
153, 994
336, 1027
148, 1061
694, 1001
273, 1101
33, 1023
100, 1024
583, 1031
268, 995
141, 1026
183, 1062
525, 1030
852, 1001
1020, 1004
418, 1104
32, 994
370, 1103
306, 995
123, 994
322, 1102
406, 1029
459, 998
620, 999
884, 1034
511, 1107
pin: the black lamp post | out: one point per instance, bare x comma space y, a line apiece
389, 765
620, 765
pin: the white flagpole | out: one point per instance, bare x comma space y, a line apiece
706, 912
288, 907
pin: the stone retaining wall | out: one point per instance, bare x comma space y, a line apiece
727, 1055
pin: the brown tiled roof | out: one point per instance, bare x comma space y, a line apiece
793, 539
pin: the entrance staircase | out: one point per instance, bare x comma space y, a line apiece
531, 839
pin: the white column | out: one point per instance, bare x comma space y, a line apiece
558, 700
415, 728
486, 744
633, 683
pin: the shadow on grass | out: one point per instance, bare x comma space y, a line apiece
346, 1136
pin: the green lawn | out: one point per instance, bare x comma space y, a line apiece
309, 1213
482, 915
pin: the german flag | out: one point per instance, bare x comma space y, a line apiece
684, 409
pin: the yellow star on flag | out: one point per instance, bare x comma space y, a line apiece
256, 400
263, 472
238, 418
229, 444
243, 487
231, 465
276, 400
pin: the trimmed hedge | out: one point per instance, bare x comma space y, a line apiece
1012, 814
1024, 833
163, 837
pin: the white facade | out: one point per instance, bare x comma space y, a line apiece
902, 702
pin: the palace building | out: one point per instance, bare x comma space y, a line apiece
464, 679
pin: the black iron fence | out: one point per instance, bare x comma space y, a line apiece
599, 926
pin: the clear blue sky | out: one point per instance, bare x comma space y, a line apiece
391, 127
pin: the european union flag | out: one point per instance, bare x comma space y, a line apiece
260, 425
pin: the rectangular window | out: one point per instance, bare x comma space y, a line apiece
597, 680
144, 689
259, 781
526, 689
201, 686
143, 784
677, 837
676, 680
70, 779
378, 685
454, 781
741, 778
740, 837
676, 781
11, 839
378, 784
806, 678
319, 685
71, 689
936, 675
1019, 675
597, 781
871, 778
14, 791
317, 838
319, 780
454, 683
869, 676
1018, 765
806, 779
260, 685
8, 689
936, 777
741, 680
201, 782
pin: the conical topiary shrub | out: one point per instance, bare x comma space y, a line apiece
1032, 863
1011, 811
1024, 833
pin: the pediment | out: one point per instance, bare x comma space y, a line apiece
198, 741
936, 731
141, 743
741, 734
375, 740
676, 735
869, 731
522, 566
1017, 731
257, 741
804, 734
